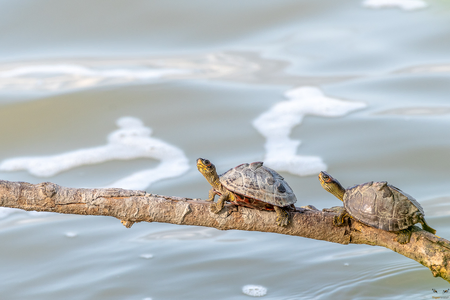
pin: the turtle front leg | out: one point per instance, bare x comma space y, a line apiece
283, 216
404, 236
339, 220
211, 195
217, 207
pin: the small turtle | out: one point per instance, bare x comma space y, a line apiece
377, 204
250, 185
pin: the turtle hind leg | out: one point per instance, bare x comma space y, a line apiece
339, 220
404, 236
426, 227
283, 216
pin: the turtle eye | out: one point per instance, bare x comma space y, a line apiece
207, 162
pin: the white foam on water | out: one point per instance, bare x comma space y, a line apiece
277, 123
146, 256
132, 140
78, 70
60, 77
402, 4
254, 290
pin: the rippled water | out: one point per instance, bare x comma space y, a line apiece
96, 94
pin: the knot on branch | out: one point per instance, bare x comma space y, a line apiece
47, 189
181, 210
127, 224
436, 270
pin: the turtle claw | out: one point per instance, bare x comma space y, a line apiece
283, 217
283, 222
404, 236
337, 221
342, 218
214, 209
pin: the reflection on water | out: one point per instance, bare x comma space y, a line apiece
441, 68
439, 207
368, 251
230, 240
403, 4
57, 76
71, 234
416, 111
189, 233
62, 77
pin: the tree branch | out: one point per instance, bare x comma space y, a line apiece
138, 206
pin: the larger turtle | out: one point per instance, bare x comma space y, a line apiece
378, 204
250, 185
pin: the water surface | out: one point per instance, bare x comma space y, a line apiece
195, 78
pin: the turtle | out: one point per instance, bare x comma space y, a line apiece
251, 185
377, 204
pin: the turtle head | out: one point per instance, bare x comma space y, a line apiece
206, 168
331, 185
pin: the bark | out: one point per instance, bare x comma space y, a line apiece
138, 206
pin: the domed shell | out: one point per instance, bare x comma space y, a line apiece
382, 205
258, 182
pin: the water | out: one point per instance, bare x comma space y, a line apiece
111, 94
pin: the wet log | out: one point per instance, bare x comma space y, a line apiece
131, 206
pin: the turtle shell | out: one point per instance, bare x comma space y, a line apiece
382, 206
258, 182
